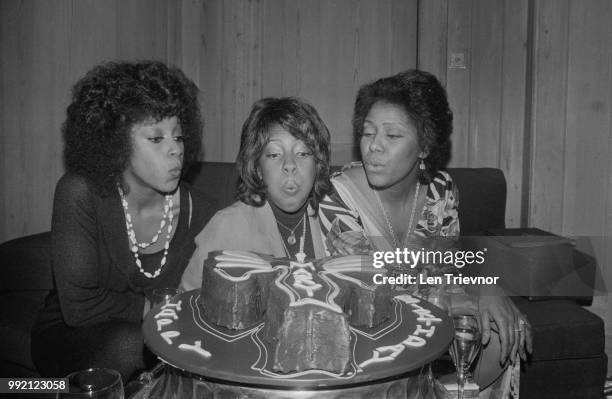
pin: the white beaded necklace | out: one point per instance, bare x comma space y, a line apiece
388, 220
167, 214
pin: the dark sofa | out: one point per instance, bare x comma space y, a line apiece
568, 359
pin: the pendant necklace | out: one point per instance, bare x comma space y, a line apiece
388, 220
291, 239
301, 255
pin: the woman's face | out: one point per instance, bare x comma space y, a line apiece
288, 169
157, 155
389, 145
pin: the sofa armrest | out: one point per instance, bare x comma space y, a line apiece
25, 263
556, 272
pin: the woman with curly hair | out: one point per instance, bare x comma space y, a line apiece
123, 221
284, 168
402, 194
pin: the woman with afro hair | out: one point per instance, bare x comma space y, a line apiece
123, 221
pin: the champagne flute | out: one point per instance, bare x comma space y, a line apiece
465, 346
161, 296
98, 383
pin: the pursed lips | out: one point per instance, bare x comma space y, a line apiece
373, 163
290, 186
176, 171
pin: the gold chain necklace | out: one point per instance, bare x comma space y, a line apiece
291, 239
389, 225
301, 255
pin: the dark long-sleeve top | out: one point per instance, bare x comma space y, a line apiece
94, 271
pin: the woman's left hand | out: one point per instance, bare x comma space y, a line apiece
514, 329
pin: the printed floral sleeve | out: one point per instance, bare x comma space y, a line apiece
341, 228
440, 217
450, 220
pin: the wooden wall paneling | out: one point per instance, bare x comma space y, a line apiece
371, 47
11, 92
329, 81
549, 111
588, 119
210, 71
240, 69
280, 56
370, 62
605, 258
587, 203
433, 36
485, 82
34, 67
188, 37
404, 16
142, 29
458, 80
513, 102
93, 36
45, 110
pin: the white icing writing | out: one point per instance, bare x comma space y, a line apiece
196, 348
413, 340
303, 281
391, 351
168, 335
171, 313
163, 322
428, 332
176, 306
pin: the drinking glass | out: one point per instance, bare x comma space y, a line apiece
96, 383
465, 346
162, 296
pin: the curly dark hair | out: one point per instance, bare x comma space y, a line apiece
423, 98
113, 97
304, 123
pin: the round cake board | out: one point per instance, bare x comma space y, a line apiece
180, 335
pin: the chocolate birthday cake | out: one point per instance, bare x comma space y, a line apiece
307, 309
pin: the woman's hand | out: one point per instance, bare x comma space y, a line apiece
514, 330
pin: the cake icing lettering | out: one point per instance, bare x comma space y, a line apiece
429, 332
173, 305
197, 348
169, 313
293, 309
302, 280
390, 352
163, 322
168, 335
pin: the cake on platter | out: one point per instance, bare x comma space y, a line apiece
321, 325
307, 308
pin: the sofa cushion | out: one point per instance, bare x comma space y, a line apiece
482, 192
25, 263
562, 329
215, 179
482, 198
17, 316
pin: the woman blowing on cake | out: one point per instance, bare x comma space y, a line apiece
123, 222
402, 195
284, 166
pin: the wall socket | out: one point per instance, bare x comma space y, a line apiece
456, 61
